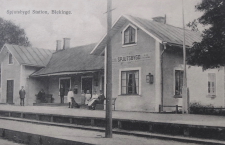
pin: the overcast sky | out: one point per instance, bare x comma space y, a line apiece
87, 23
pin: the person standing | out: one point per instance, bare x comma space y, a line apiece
61, 93
22, 94
69, 96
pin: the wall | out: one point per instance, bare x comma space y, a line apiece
171, 60
197, 81
10, 72
32, 85
198, 86
145, 101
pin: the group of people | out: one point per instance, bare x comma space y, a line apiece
95, 99
90, 101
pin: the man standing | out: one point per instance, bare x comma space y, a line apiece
22, 93
61, 93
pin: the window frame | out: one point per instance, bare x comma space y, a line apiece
10, 56
178, 68
127, 79
215, 84
120, 81
135, 36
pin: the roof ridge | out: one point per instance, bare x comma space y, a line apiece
83, 45
162, 23
28, 47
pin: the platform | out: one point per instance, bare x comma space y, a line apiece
199, 126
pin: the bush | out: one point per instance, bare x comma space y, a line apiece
198, 108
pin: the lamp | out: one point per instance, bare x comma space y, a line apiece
149, 78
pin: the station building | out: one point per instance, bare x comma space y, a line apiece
147, 63
147, 66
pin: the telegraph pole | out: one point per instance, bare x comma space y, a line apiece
108, 129
184, 89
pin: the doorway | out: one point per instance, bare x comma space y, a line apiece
9, 93
87, 84
65, 82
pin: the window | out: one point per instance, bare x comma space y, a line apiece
10, 58
129, 35
211, 83
178, 81
130, 82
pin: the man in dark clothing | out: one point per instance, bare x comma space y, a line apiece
61, 93
41, 96
22, 94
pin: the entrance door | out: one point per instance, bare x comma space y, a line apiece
66, 85
87, 85
10, 87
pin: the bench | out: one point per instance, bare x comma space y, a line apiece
46, 99
101, 106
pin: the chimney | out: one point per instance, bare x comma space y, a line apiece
160, 19
66, 43
58, 45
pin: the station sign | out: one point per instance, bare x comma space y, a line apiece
130, 58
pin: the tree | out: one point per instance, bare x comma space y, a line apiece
12, 34
193, 25
210, 52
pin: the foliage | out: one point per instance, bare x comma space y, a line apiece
210, 52
193, 25
198, 108
12, 34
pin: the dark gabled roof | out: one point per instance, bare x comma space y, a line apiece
77, 59
159, 31
29, 56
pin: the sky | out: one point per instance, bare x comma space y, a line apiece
87, 20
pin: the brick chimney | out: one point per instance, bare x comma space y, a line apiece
66, 43
58, 45
160, 19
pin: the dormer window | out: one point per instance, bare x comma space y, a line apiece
10, 58
129, 35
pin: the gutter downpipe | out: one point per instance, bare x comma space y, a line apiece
161, 60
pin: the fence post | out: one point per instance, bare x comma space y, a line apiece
176, 109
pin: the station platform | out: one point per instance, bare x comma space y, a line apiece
135, 123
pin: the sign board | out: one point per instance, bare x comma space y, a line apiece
130, 58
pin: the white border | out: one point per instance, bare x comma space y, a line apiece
135, 43
130, 69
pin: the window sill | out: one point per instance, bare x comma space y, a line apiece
130, 95
177, 96
211, 96
128, 45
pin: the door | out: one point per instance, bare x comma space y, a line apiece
10, 87
87, 85
66, 85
